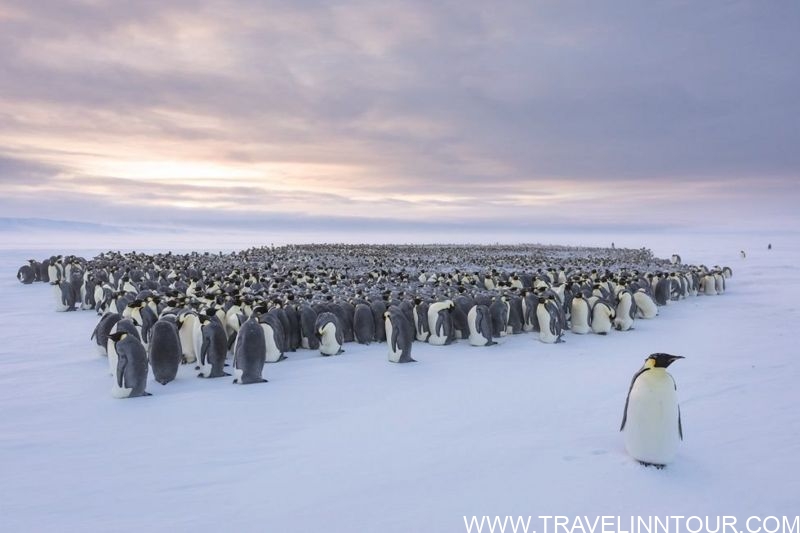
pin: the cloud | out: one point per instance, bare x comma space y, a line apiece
419, 111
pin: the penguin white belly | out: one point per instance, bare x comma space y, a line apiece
580, 319
709, 286
191, 338
475, 337
328, 344
394, 355
273, 352
98, 295
113, 358
601, 319
436, 340
83, 305
59, 304
645, 306
651, 426
623, 321
545, 335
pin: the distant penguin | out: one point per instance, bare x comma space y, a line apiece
101, 331
625, 312
250, 353
499, 311
709, 285
663, 291
549, 324
480, 326
273, 338
742, 254
124, 324
308, 336
602, 315
164, 350
63, 295
421, 328
440, 322
652, 418
329, 332
26, 274
191, 336
399, 336
378, 309
213, 349
130, 374
581, 315
515, 315
363, 324
645, 306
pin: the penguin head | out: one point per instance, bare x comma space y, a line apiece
661, 360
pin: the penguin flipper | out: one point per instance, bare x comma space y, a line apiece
393, 340
680, 425
628, 398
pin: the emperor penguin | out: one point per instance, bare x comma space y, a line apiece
250, 353
308, 337
549, 324
26, 274
602, 315
65, 298
124, 324
164, 350
273, 337
499, 310
214, 348
625, 312
480, 326
709, 285
421, 320
329, 333
191, 335
652, 417
440, 323
645, 306
130, 374
101, 331
399, 335
581, 315
363, 324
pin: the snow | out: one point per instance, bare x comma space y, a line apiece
354, 443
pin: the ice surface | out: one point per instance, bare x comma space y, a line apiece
354, 443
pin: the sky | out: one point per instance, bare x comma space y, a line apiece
445, 117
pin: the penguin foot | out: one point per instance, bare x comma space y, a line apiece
235, 381
655, 465
197, 368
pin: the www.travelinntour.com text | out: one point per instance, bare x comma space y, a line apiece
631, 524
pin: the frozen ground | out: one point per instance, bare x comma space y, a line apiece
353, 443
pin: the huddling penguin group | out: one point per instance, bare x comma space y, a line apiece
159, 311
258, 305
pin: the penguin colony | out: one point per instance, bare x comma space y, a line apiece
158, 311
